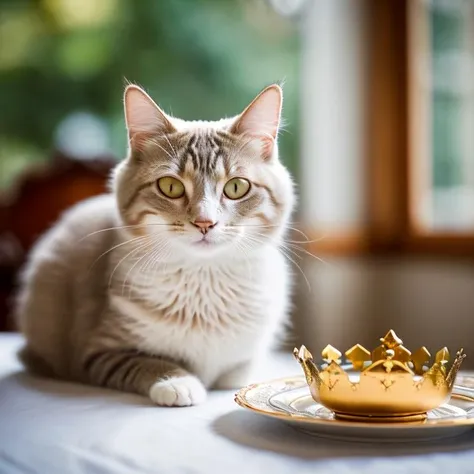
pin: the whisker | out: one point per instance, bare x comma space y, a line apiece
263, 226
140, 246
171, 146
157, 257
302, 273
297, 248
135, 264
282, 251
120, 228
306, 241
306, 252
155, 143
279, 244
116, 247
153, 258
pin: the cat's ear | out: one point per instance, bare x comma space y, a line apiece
261, 119
143, 117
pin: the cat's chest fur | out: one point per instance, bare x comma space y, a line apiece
211, 316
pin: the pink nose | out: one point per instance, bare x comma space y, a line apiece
203, 225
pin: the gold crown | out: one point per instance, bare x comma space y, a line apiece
388, 384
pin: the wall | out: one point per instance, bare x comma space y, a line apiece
427, 302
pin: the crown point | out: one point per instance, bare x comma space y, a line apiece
358, 355
331, 354
391, 340
296, 353
305, 353
442, 356
302, 353
422, 352
378, 354
358, 352
402, 354
419, 358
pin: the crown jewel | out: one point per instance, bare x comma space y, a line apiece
387, 384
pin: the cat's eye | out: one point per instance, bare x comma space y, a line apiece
236, 188
171, 187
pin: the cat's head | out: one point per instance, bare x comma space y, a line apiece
204, 187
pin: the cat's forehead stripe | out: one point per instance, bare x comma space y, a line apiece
205, 149
191, 151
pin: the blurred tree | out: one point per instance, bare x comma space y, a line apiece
198, 58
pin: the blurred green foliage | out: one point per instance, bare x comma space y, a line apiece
199, 59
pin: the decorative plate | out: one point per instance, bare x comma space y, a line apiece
289, 400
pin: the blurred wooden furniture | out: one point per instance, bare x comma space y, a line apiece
33, 205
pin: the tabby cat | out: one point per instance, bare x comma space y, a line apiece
173, 283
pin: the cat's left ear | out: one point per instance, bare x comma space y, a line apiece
261, 119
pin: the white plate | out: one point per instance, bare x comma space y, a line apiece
289, 400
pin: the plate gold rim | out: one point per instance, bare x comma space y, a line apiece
427, 424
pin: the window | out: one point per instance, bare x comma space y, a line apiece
409, 101
444, 69
440, 151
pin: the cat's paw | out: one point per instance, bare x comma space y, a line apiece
178, 391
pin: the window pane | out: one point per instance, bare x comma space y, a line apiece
449, 204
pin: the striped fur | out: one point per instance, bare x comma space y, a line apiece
126, 292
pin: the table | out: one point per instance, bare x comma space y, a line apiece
49, 427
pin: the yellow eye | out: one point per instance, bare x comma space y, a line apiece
171, 187
236, 188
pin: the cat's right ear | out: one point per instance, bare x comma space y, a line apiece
143, 117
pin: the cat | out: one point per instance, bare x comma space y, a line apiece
173, 283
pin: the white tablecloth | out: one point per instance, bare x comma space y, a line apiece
50, 427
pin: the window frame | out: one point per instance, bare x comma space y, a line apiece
418, 156
397, 131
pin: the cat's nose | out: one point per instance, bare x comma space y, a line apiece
204, 225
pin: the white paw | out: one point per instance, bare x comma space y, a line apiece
178, 391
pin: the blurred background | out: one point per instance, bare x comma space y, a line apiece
379, 106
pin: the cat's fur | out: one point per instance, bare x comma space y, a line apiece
119, 293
